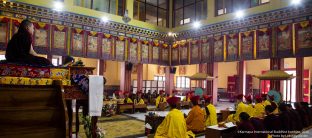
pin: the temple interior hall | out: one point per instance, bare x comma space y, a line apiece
155, 68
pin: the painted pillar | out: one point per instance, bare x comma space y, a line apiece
125, 77
242, 77
299, 79
201, 69
101, 67
276, 64
140, 76
169, 82
212, 86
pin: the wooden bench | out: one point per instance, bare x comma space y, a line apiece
140, 107
122, 107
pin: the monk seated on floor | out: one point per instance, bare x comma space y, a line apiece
161, 101
139, 102
210, 112
195, 120
240, 107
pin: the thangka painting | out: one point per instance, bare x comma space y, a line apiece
92, 44
304, 38
184, 53
41, 39
107, 46
247, 43
218, 45
155, 53
4, 32
165, 54
133, 50
77, 42
284, 41
205, 50
195, 49
232, 47
264, 42
59, 38
120, 48
175, 54
144, 51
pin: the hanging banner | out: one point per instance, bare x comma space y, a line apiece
284, 41
303, 38
218, 45
4, 32
165, 54
184, 52
247, 44
133, 50
107, 46
264, 43
92, 44
120, 48
155, 52
59, 40
77, 42
195, 49
175, 54
205, 50
145, 51
41, 38
232, 43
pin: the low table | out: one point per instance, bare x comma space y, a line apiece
124, 107
218, 132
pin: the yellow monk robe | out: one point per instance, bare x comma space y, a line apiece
266, 102
250, 110
195, 120
173, 126
241, 107
211, 119
128, 100
160, 100
187, 99
141, 101
259, 110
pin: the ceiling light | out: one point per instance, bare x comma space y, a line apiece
104, 19
196, 24
170, 33
239, 14
58, 6
295, 2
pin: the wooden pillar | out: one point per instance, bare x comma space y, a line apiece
276, 64
299, 79
212, 86
242, 77
125, 77
49, 57
102, 67
169, 82
140, 76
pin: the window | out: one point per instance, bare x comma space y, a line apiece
159, 78
182, 82
108, 6
57, 60
228, 6
187, 11
2, 57
152, 11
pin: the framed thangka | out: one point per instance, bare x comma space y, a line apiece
247, 45
120, 48
195, 49
304, 38
4, 32
175, 54
145, 51
92, 44
77, 42
41, 38
59, 37
205, 50
133, 50
264, 43
107, 46
284, 41
184, 52
218, 45
155, 52
232, 47
165, 54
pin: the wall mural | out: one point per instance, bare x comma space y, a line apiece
218, 48
195, 47
264, 43
184, 52
77, 45
4, 32
144, 51
247, 43
107, 46
41, 40
59, 39
284, 41
232, 47
304, 38
205, 50
175, 54
92, 44
120, 48
133, 50
155, 53
165, 54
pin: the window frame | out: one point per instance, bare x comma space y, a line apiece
226, 11
182, 84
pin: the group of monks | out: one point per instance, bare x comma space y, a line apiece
178, 125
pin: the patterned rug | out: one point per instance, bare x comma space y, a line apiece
118, 126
